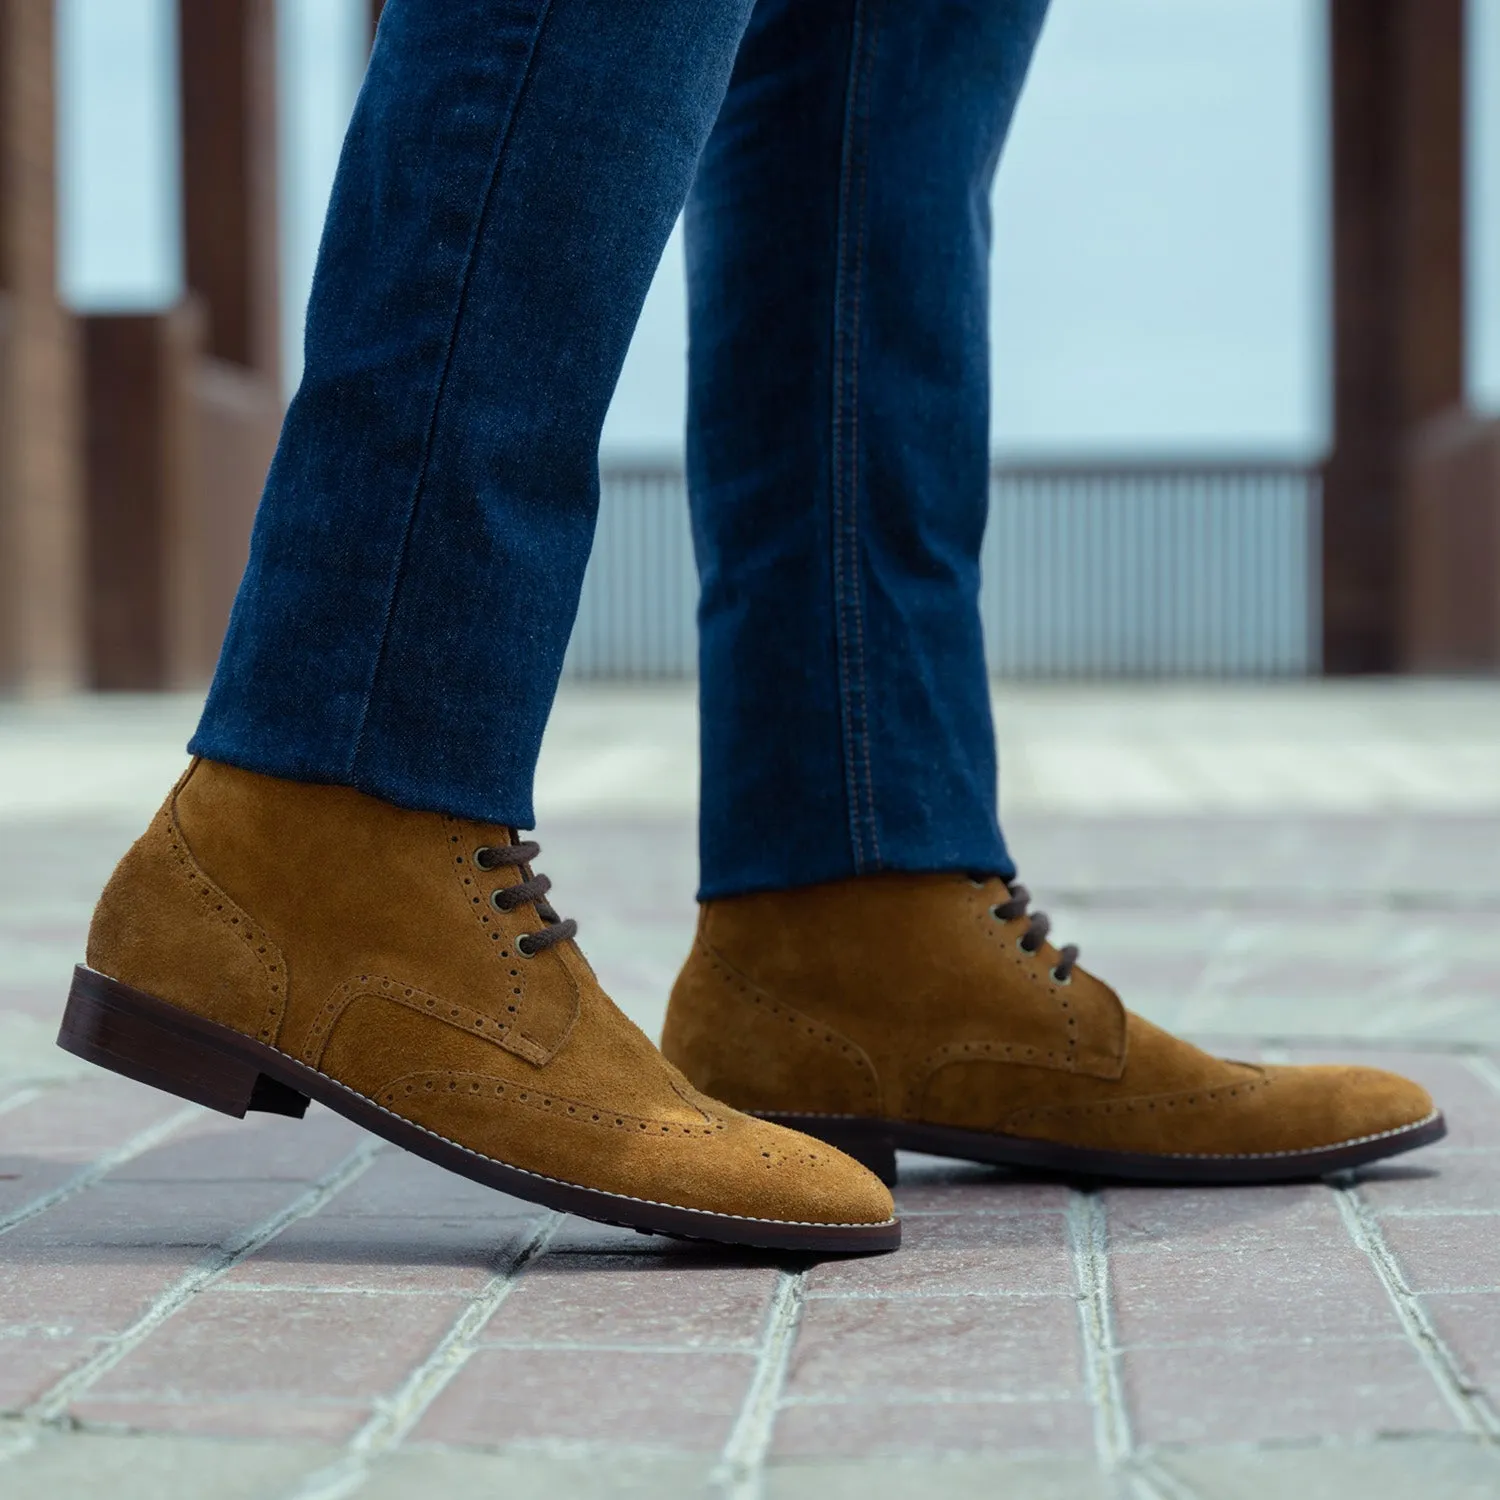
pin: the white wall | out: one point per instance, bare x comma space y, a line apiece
118, 222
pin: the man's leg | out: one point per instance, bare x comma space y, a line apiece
838, 440
512, 172
866, 966
333, 902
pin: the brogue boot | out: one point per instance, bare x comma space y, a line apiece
932, 1013
267, 942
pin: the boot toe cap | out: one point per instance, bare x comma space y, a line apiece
1328, 1106
775, 1173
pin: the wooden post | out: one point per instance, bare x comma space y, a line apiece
228, 81
41, 636
1398, 228
1451, 577
184, 406
229, 175
144, 559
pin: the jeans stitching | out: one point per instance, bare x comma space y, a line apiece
848, 612
837, 464
460, 307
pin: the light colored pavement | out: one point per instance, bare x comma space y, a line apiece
192, 1306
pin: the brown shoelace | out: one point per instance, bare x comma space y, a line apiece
533, 890
1038, 925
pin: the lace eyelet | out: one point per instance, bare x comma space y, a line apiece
1061, 980
479, 855
1021, 944
496, 902
523, 948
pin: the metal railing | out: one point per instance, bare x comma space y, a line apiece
1128, 569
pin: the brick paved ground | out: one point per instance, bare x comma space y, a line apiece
193, 1306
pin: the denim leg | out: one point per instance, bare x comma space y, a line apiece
838, 239
511, 175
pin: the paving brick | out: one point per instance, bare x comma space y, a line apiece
1479, 977
954, 1365
157, 1468
1469, 1324
1435, 1180
854, 1429
267, 1147
953, 1476
148, 1215
686, 1402
1148, 1218
39, 1001
636, 1300
584, 1237
1305, 1285
971, 1189
32, 1360
1441, 1468
400, 1185
1447, 1252
94, 1263
24, 1179
83, 1294
283, 1346
938, 1347
1142, 975
459, 1474
1315, 977
299, 1419
332, 1251
79, 1121
945, 1254
1329, 1389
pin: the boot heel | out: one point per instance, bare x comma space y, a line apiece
867, 1141
139, 1037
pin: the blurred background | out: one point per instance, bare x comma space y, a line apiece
1246, 323
1241, 590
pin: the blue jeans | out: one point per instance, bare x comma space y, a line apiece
511, 175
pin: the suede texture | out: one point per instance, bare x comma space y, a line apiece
360, 939
905, 997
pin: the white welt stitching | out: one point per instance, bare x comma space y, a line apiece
707, 1213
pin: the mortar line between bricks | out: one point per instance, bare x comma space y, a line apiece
24, 1095
101, 1166
392, 1419
1484, 1068
740, 1473
1152, 1482
1088, 1247
53, 1403
1467, 1403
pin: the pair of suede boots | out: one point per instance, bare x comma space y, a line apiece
267, 942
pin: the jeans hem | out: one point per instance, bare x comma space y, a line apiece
453, 802
991, 860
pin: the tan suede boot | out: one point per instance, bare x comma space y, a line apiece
929, 1012
266, 942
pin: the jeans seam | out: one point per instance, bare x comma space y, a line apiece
461, 302
848, 607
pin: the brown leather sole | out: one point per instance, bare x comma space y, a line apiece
875, 1143
154, 1042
